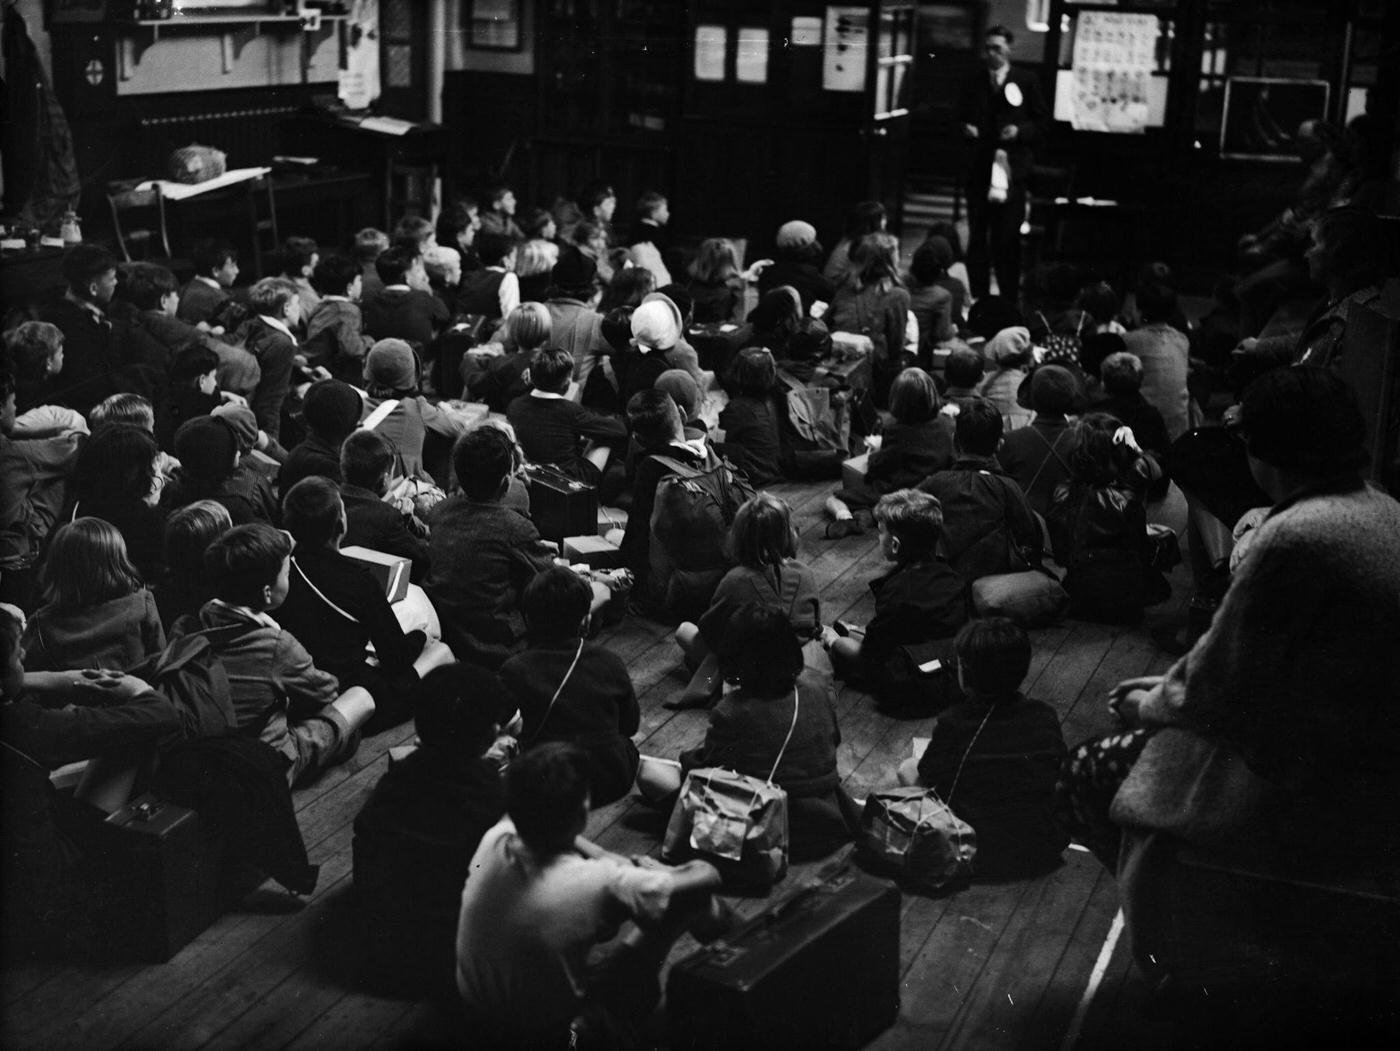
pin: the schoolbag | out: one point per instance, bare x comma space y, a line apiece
189, 672
690, 520
818, 416
1062, 348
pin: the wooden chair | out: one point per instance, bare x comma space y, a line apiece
262, 221
138, 220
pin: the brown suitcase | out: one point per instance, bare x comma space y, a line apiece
162, 867
818, 969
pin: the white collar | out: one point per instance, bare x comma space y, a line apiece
335, 299
395, 288
280, 325
545, 395
208, 281
694, 445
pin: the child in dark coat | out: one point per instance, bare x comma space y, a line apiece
417, 832
918, 443
775, 721
994, 755
571, 690
335, 607
553, 430
751, 419
921, 600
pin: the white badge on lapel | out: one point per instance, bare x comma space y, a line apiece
1013, 94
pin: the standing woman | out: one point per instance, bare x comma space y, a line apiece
874, 302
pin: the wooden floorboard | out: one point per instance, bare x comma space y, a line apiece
990, 966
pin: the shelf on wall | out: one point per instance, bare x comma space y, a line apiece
235, 31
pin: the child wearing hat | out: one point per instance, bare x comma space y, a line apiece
1009, 355
391, 374
209, 470
656, 328
797, 262
1036, 456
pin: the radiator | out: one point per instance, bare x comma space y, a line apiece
247, 135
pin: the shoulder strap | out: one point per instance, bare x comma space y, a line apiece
321, 594
792, 382
572, 665
676, 467
961, 762
26, 757
380, 414
1054, 451
781, 751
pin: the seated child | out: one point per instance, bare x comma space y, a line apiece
764, 544
135, 410
751, 419
336, 608
297, 261
500, 379
369, 243
1121, 374
775, 720
392, 374
656, 424
205, 301
1098, 523
916, 444
278, 692
406, 309
269, 338
97, 612
366, 465
541, 897
1034, 456
193, 391
331, 411
492, 291
36, 353
554, 430
922, 599
1010, 354
158, 333
963, 373
994, 755
417, 832
53, 901
656, 327
210, 470
185, 586
985, 514
335, 329
571, 690
483, 554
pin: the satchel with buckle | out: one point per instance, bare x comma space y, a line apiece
737, 823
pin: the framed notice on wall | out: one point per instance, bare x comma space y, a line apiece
494, 25
847, 48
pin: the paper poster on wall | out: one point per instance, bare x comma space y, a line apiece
847, 48
711, 43
1114, 55
806, 31
751, 56
359, 74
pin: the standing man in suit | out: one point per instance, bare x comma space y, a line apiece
1001, 111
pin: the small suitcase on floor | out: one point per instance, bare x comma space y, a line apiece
560, 506
162, 866
817, 969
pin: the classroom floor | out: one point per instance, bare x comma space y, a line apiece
1036, 963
